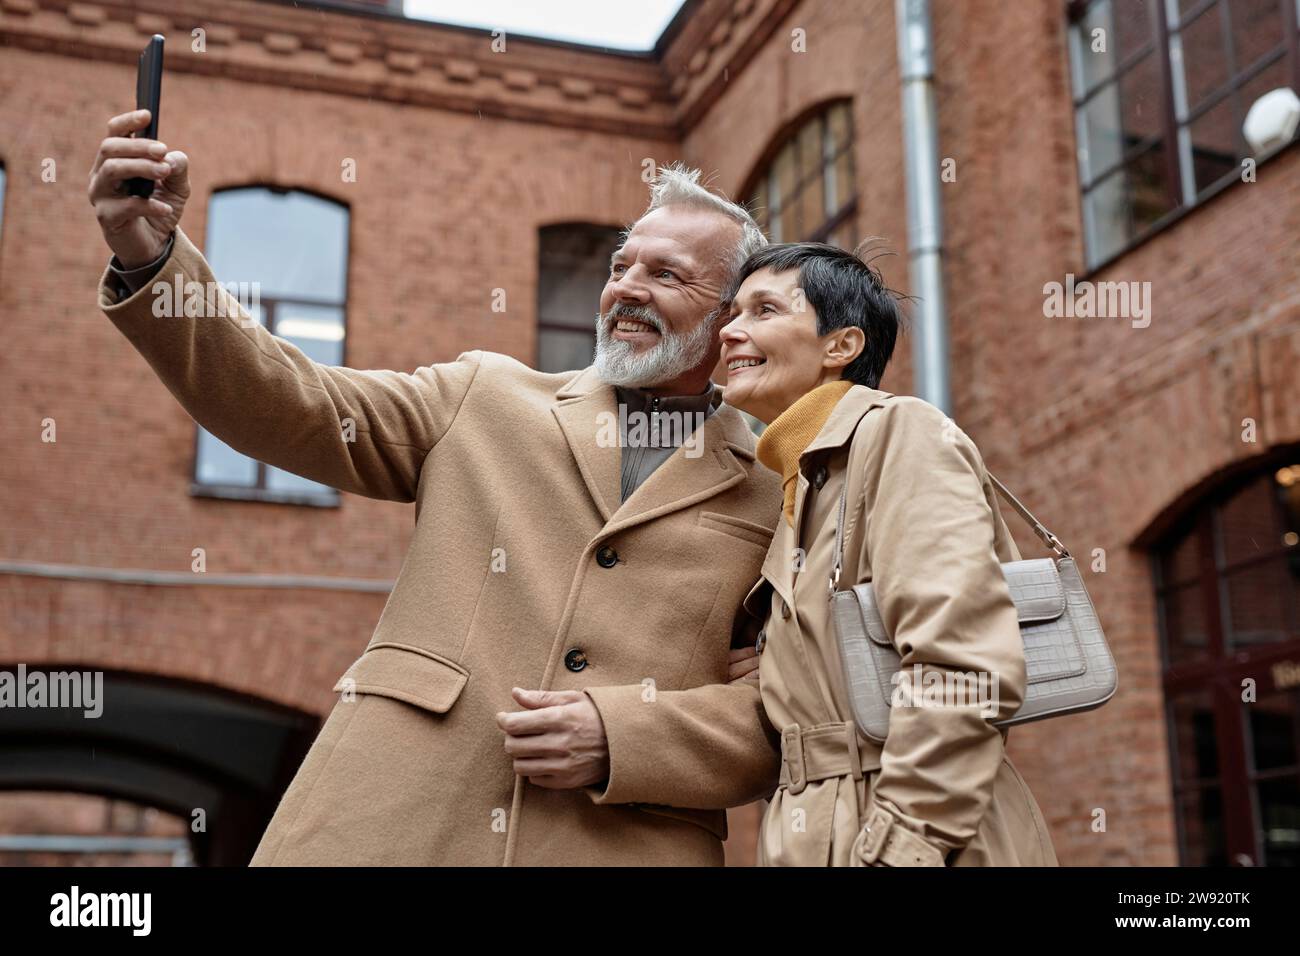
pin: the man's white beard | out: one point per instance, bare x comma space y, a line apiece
618, 363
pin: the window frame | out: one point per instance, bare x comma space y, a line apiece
542, 325
260, 492
1179, 173
1219, 673
764, 172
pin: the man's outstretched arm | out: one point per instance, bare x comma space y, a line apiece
365, 432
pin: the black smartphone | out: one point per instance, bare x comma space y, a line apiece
148, 90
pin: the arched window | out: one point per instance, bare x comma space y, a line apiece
1228, 591
294, 246
572, 268
806, 189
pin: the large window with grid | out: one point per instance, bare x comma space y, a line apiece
293, 248
1228, 592
1161, 89
804, 190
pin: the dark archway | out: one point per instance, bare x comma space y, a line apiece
176, 745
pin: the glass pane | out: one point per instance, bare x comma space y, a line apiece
560, 350
1274, 722
759, 204
316, 329
840, 126
1186, 624
1103, 144
812, 207
1247, 523
572, 269
787, 185
845, 188
1095, 65
1200, 817
1133, 24
1259, 604
1182, 561
1205, 57
294, 244
1139, 92
1287, 481
1279, 812
1106, 216
1149, 195
810, 150
1214, 145
845, 235
1196, 752
278, 480
219, 464
1256, 30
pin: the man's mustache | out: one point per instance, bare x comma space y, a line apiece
641, 313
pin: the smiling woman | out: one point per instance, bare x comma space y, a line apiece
801, 315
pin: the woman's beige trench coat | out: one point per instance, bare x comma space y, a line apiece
922, 523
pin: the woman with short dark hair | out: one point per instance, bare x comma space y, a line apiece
811, 330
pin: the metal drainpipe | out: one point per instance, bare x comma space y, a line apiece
924, 209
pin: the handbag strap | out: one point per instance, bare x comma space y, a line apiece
1049, 539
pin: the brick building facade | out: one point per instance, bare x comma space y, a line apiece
452, 160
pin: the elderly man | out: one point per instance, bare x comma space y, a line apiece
552, 680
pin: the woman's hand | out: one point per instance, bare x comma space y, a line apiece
742, 664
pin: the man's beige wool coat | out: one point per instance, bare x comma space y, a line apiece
498, 456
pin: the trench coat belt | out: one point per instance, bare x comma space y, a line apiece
834, 750
822, 752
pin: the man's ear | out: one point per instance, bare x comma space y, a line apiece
843, 346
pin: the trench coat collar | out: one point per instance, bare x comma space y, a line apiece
843, 421
679, 482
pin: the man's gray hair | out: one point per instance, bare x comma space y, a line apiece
680, 184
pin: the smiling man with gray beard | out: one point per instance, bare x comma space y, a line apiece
554, 678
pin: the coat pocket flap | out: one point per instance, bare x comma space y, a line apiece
715, 821
406, 673
1035, 586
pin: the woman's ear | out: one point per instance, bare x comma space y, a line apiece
843, 346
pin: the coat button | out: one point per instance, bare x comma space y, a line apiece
819, 478
762, 640
607, 557
575, 660
785, 610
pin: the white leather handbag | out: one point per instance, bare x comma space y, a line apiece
1068, 665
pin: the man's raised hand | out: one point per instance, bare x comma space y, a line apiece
136, 228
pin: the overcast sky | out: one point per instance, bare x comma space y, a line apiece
623, 24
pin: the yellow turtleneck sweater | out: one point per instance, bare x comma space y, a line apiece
783, 441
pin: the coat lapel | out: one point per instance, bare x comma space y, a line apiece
778, 567
586, 410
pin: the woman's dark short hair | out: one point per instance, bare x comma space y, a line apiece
844, 291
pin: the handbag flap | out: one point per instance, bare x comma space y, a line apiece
1036, 591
